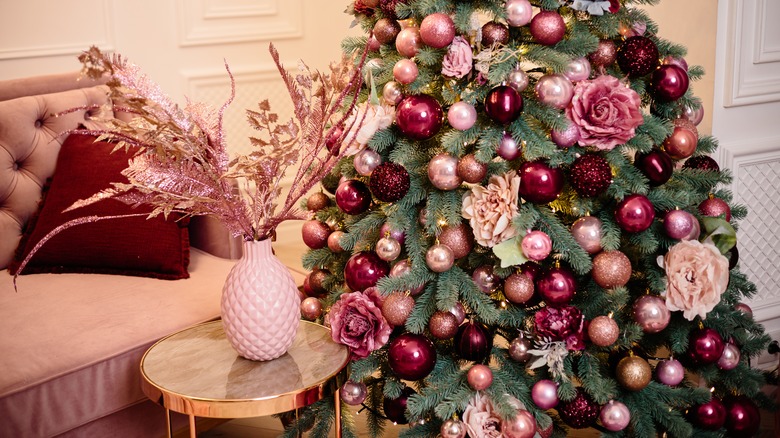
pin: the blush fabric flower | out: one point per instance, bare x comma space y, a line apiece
356, 321
605, 111
481, 419
374, 118
490, 209
565, 323
697, 275
457, 62
593, 7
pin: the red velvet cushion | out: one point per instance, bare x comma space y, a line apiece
127, 246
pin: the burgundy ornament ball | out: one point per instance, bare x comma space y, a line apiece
353, 393
386, 230
397, 307
679, 224
611, 269
670, 372
419, 117
682, 143
744, 308
590, 175
742, 416
315, 234
715, 207
705, 346
494, 32
473, 341
508, 148
459, 311
313, 284
710, 415
580, 412
462, 115
353, 197
548, 28
544, 394
540, 183
471, 170
395, 408
536, 245
518, 12
437, 30
405, 71
411, 356
443, 172
605, 54
651, 313
637, 56
408, 41
503, 104
694, 114
479, 377
635, 213
388, 7
701, 162
615, 416
386, 29
389, 182
669, 82
443, 325
554, 90
459, 238
587, 232
655, 165
556, 286
518, 288
364, 269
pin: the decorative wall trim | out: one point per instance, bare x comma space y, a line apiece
205, 22
752, 53
101, 34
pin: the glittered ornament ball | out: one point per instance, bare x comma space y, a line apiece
633, 373
590, 175
605, 54
701, 162
638, 56
397, 307
580, 412
540, 183
494, 32
419, 117
518, 288
364, 269
611, 269
443, 325
353, 197
503, 104
315, 234
479, 377
411, 356
317, 201
635, 213
386, 29
655, 165
389, 182
715, 207
603, 331
334, 241
471, 170
437, 30
567, 137
459, 238
313, 284
678, 224
548, 28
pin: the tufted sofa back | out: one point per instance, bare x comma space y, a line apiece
30, 139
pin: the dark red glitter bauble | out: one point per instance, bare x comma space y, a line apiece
494, 32
580, 412
388, 7
638, 56
389, 182
701, 162
590, 175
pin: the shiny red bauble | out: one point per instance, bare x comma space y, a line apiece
411, 356
710, 415
395, 408
419, 117
742, 416
556, 285
364, 269
473, 341
635, 213
540, 183
353, 197
705, 346
503, 104
669, 82
637, 56
655, 165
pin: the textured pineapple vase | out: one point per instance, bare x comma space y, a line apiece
260, 304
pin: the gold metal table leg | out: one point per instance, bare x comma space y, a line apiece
337, 403
193, 431
168, 423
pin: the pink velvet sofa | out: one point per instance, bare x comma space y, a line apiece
71, 343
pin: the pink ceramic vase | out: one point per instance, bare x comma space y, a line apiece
260, 304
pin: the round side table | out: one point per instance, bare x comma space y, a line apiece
196, 372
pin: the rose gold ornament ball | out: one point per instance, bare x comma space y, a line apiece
518, 288
603, 331
437, 30
479, 377
311, 308
471, 170
333, 241
633, 373
386, 29
317, 201
523, 425
459, 238
443, 325
605, 54
397, 307
611, 269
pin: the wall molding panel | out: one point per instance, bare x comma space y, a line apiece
205, 22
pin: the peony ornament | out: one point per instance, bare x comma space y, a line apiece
356, 321
458, 60
697, 275
490, 209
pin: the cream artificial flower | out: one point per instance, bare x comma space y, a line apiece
374, 117
697, 275
490, 209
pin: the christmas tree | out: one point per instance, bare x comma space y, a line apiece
529, 234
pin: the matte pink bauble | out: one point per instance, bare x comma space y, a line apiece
669, 82
443, 172
408, 42
544, 393
651, 313
556, 286
364, 269
518, 12
730, 357
655, 165
439, 258
540, 183
479, 377
554, 90
710, 415
517, 79
578, 69
567, 137
437, 30
715, 207
522, 425
705, 346
353, 393
462, 115
536, 245
311, 308
485, 279
392, 93
405, 71
386, 30
670, 372
419, 117
353, 197
635, 213
471, 170
473, 341
615, 416
681, 144
508, 148
587, 232
315, 234
679, 224
387, 231
548, 28
411, 356
742, 416
695, 115
503, 104
366, 161
395, 408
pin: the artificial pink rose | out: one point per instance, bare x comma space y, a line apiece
697, 275
481, 419
457, 62
605, 111
490, 209
356, 321
564, 323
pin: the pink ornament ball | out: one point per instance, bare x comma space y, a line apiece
479, 377
682, 143
555, 91
578, 69
443, 172
403, 268
536, 245
419, 117
669, 82
453, 428
548, 28
615, 416
679, 224
462, 115
315, 234
392, 93
508, 148
635, 213
503, 104
485, 279
567, 137
544, 393
715, 207
334, 241
411, 356
311, 308
517, 79
439, 258
366, 161
405, 71
730, 357
651, 313
373, 44
670, 372
437, 30
522, 425
518, 12
471, 170
353, 393
493, 33
695, 115
408, 42
587, 232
